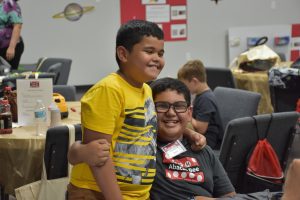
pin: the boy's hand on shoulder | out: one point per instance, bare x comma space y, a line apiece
197, 140
97, 152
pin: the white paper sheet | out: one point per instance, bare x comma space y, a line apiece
158, 13
28, 91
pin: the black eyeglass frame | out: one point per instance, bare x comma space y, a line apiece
177, 106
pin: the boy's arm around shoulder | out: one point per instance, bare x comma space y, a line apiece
94, 153
200, 126
105, 176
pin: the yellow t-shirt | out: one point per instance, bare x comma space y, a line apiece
113, 106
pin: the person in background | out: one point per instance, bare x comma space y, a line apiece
206, 117
11, 43
120, 110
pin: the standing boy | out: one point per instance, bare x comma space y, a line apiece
120, 110
206, 117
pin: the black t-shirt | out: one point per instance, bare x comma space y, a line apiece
189, 174
205, 109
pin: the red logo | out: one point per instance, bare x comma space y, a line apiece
34, 84
183, 169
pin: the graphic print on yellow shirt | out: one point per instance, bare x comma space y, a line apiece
135, 146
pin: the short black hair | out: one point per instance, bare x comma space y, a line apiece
164, 84
133, 32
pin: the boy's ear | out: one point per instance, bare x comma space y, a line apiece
122, 53
194, 80
190, 113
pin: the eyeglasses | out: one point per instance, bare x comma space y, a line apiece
163, 107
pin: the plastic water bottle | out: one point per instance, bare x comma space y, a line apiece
55, 117
40, 116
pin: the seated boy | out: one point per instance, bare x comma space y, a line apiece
194, 175
206, 118
187, 174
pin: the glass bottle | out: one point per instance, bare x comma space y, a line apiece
5, 117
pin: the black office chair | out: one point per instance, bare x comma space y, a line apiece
62, 68
219, 77
235, 103
56, 150
240, 138
56, 69
68, 91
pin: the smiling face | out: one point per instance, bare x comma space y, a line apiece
171, 125
144, 62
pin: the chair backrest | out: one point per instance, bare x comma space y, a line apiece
240, 138
56, 69
68, 91
219, 77
56, 150
45, 63
235, 103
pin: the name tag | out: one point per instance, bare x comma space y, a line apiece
173, 149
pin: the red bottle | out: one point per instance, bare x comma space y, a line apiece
5, 117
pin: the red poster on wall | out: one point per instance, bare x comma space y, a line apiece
295, 51
170, 15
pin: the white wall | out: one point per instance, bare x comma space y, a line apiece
90, 42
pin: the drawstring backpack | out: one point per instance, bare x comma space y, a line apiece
263, 170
